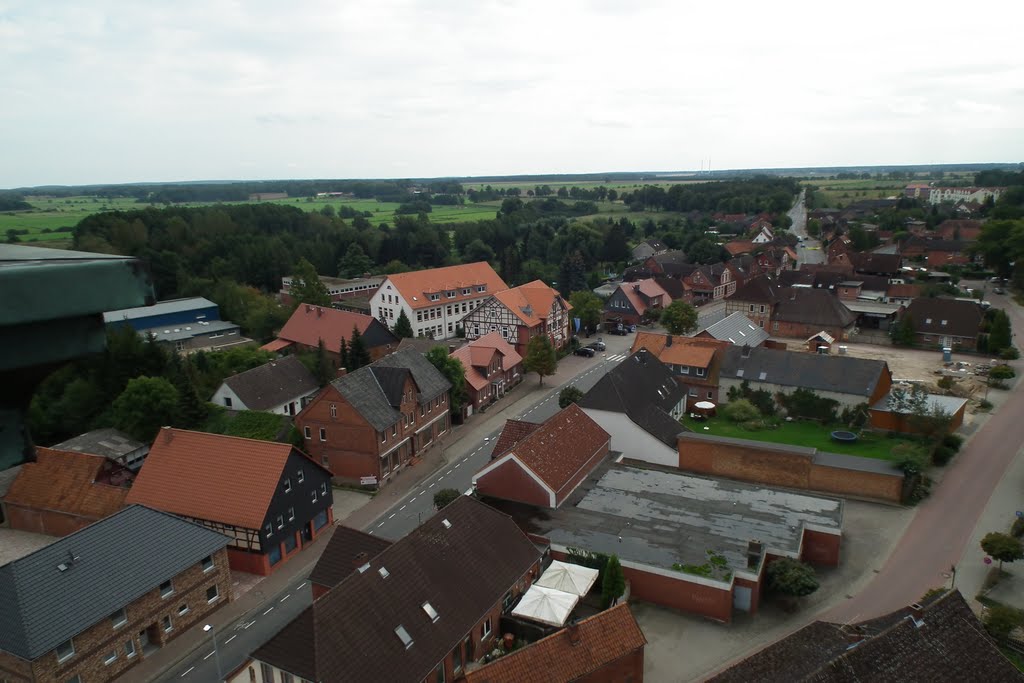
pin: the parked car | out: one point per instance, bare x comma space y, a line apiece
998, 290
597, 345
619, 331
585, 351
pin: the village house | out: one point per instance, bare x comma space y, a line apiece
541, 464
338, 289
421, 609
709, 283
963, 229
62, 492
520, 314
492, 367
946, 323
368, 424
693, 361
756, 300
435, 299
93, 604
270, 499
735, 328
109, 443
309, 325
792, 311
283, 386
901, 294
631, 301
648, 248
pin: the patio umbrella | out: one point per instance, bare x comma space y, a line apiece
704, 405
546, 605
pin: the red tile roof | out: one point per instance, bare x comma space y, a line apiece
532, 302
214, 477
309, 324
478, 353
696, 352
736, 247
566, 656
648, 288
64, 481
415, 286
559, 448
512, 433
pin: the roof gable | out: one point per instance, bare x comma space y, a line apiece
273, 383
309, 324
108, 565
675, 350
532, 303
817, 307
737, 329
945, 317
347, 550
89, 486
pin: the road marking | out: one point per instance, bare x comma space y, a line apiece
402, 508
250, 624
447, 473
285, 597
456, 467
208, 656
230, 639
391, 515
187, 672
380, 525
431, 486
268, 611
413, 499
302, 585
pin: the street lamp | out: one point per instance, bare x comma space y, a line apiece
216, 655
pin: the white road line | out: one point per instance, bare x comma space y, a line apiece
431, 486
457, 465
302, 585
402, 508
285, 597
380, 525
371, 532
208, 656
413, 499
447, 473
250, 624
268, 611
392, 515
230, 639
187, 672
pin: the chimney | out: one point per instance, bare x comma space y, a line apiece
668, 342
451, 348
360, 559
573, 631
342, 372
745, 353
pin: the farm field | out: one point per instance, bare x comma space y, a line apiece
617, 185
841, 193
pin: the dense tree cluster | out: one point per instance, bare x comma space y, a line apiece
755, 195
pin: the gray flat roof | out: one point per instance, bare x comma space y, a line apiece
191, 330
659, 518
159, 308
107, 442
947, 404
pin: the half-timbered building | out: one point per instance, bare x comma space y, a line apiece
520, 314
269, 498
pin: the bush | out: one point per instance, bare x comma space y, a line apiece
922, 489
854, 417
1017, 530
984, 404
791, 577
741, 410
1009, 353
942, 455
945, 383
445, 497
568, 396
1000, 620
954, 441
807, 404
1001, 372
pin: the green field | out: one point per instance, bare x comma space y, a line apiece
617, 185
809, 434
841, 193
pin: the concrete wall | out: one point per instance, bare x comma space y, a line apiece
632, 441
755, 462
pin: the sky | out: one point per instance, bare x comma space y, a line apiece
110, 92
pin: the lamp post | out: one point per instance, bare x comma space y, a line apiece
216, 655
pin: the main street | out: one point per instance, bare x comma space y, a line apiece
808, 250
461, 460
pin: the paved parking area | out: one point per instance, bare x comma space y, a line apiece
15, 544
683, 647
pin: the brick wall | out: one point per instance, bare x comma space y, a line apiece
508, 481
754, 463
44, 521
781, 328
820, 547
144, 615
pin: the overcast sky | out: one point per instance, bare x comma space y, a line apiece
95, 91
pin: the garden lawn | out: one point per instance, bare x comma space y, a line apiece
808, 434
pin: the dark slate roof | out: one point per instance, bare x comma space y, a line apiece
462, 568
644, 389
877, 263
672, 286
813, 307
273, 383
674, 257
375, 390
762, 289
343, 555
841, 374
962, 318
943, 641
111, 563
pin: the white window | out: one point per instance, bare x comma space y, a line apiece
394, 429
227, 401
119, 618
110, 657
129, 648
383, 437
301, 476
431, 612
280, 522
751, 308
685, 369
167, 624
212, 593
700, 372
182, 610
291, 514
693, 391
313, 496
485, 629
288, 485
207, 563
404, 636
323, 488
307, 433
481, 288
435, 297
334, 410
323, 434
166, 588
466, 291
65, 651
269, 529
451, 294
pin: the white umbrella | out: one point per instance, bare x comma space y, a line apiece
704, 405
546, 605
571, 578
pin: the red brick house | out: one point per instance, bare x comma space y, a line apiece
269, 498
366, 425
520, 314
605, 648
420, 610
693, 361
94, 604
492, 367
709, 283
629, 303
544, 463
756, 300
792, 311
62, 492
310, 324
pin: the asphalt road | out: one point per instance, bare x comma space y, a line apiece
808, 251
945, 522
236, 643
418, 505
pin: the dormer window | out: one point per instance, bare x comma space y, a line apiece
700, 372
451, 294
435, 297
467, 291
481, 288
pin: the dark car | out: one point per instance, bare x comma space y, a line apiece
585, 351
620, 332
597, 345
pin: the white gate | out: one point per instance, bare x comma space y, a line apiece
741, 597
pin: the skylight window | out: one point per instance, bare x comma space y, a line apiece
384, 573
447, 524
431, 612
404, 636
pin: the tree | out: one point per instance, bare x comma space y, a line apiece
741, 410
1000, 620
568, 396
586, 306
616, 248
1002, 547
403, 327
540, 357
903, 331
454, 372
444, 497
145, 405
999, 332
355, 262
322, 371
306, 287
476, 251
572, 273
343, 356
614, 583
679, 317
191, 410
358, 356
791, 577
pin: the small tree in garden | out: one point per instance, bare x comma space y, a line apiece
1002, 547
444, 497
741, 410
679, 317
540, 357
614, 583
403, 328
791, 578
